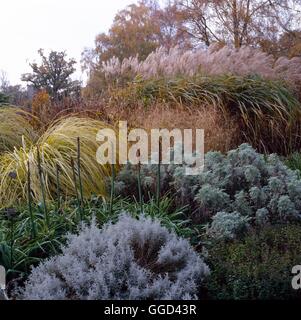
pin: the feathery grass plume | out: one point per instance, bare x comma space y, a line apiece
56, 146
15, 125
208, 62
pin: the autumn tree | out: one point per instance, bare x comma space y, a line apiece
171, 21
134, 32
14, 94
138, 30
289, 45
53, 75
239, 22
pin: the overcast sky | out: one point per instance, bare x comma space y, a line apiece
71, 25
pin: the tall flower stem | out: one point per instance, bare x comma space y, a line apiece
75, 189
41, 176
80, 178
33, 227
58, 187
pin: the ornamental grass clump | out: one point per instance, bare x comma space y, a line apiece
131, 260
209, 62
258, 92
57, 146
16, 126
267, 112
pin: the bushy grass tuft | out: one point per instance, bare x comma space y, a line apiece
16, 126
56, 148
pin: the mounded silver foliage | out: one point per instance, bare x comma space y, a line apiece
244, 181
133, 259
260, 188
227, 226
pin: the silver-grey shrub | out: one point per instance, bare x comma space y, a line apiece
258, 187
243, 180
228, 226
132, 259
249, 183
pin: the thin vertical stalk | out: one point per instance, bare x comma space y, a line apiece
58, 187
79, 176
33, 227
12, 243
75, 189
139, 185
41, 176
159, 178
112, 189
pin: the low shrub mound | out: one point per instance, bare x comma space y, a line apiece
228, 226
259, 187
133, 259
258, 267
242, 188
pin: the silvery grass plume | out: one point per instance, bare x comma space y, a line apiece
211, 61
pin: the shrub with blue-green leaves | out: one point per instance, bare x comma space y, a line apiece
242, 183
228, 226
132, 259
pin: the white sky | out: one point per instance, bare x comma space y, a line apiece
71, 25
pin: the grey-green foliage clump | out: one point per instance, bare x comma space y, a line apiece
244, 183
228, 226
126, 183
133, 259
260, 188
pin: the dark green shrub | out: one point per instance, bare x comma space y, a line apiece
3, 99
258, 267
294, 162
